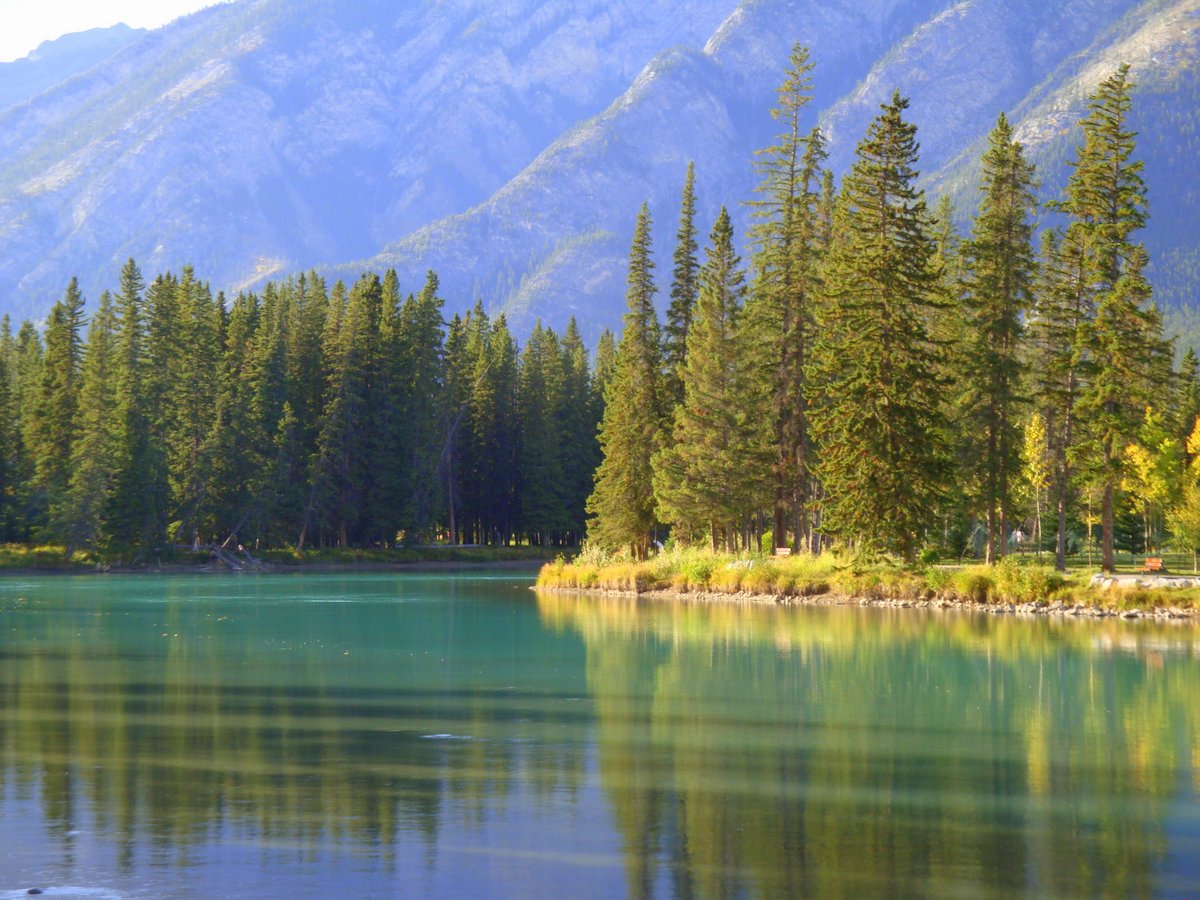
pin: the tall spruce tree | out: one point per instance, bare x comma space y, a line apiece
877, 413
716, 469
578, 417
136, 515
622, 504
56, 412
1000, 273
1061, 312
93, 453
788, 241
423, 346
685, 288
540, 461
1105, 199
342, 469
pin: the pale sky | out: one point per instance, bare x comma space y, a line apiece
26, 23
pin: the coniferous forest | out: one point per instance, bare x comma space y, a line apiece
868, 378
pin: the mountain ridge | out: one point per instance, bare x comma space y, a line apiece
509, 147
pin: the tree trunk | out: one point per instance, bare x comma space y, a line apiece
1106, 530
779, 526
1060, 543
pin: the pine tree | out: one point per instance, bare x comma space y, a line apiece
93, 455
1060, 315
877, 415
9, 431
788, 240
622, 504
56, 410
342, 468
423, 346
1000, 272
716, 468
1187, 395
540, 461
28, 366
1105, 199
135, 511
230, 454
578, 417
685, 288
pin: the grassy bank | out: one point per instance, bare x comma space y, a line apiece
26, 558
689, 571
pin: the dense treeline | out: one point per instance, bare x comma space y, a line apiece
877, 381
869, 379
299, 416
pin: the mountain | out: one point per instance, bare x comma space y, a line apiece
254, 138
1161, 42
554, 241
56, 61
509, 145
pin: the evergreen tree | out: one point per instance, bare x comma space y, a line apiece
622, 504
1187, 395
94, 451
56, 411
231, 449
10, 435
1000, 272
27, 504
422, 346
342, 467
716, 469
685, 288
451, 463
877, 416
788, 241
1060, 316
578, 417
135, 514
1106, 202
540, 461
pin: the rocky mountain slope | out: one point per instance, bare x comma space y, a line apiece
262, 136
557, 235
56, 61
508, 146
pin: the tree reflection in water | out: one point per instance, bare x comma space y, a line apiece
769, 752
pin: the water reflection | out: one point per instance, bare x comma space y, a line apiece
759, 751
496, 744
173, 728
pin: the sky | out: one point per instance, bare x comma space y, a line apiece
26, 23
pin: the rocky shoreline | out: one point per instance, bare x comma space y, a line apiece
1032, 609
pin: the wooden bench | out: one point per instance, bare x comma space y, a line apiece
1153, 564
783, 551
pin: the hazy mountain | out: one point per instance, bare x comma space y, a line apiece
509, 145
55, 61
1161, 42
258, 137
553, 242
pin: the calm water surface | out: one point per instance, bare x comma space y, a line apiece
414, 735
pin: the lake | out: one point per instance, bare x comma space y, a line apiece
457, 735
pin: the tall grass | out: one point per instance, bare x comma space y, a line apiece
691, 570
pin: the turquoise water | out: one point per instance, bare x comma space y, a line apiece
459, 735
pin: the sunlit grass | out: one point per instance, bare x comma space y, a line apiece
700, 571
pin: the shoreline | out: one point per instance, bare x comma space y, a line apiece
1034, 609
313, 568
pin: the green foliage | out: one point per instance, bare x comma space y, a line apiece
716, 467
622, 504
998, 288
791, 232
873, 387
